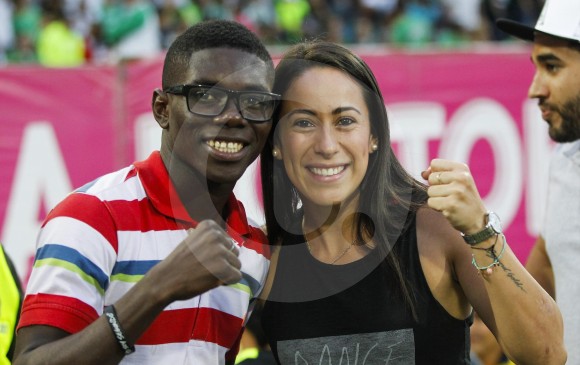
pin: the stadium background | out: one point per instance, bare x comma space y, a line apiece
454, 88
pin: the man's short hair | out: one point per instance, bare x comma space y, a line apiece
574, 45
209, 34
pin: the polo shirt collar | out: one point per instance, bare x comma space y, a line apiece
162, 194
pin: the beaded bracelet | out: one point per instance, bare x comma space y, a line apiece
491, 252
489, 249
113, 322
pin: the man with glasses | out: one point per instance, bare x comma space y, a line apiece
555, 257
156, 263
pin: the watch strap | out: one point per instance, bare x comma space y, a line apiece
492, 228
474, 239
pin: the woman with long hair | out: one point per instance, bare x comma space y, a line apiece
374, 266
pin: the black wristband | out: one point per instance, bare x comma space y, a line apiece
111, 316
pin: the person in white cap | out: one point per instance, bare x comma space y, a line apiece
555, 258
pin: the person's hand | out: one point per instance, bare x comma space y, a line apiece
205, 259
452, 191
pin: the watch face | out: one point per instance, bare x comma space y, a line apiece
494, 222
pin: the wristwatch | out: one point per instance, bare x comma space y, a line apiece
492, 227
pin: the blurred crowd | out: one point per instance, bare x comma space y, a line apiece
62, 33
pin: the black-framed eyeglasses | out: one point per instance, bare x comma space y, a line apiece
210, 101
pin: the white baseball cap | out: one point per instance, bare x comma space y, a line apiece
559, 18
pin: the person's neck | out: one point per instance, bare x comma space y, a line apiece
201, 198
329, 231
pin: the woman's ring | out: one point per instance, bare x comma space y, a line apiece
233, 245
439, 179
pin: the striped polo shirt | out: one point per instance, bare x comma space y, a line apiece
100, 241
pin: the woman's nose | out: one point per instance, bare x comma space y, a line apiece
327, 142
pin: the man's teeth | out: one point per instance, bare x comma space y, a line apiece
227, 147
327, 172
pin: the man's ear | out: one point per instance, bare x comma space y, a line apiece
160, 104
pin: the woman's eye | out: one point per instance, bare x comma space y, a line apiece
302, 123
346, 121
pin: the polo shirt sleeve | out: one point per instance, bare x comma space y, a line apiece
76, 252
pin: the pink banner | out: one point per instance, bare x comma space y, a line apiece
59, 129
473, 107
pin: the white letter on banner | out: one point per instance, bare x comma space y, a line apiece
413, 124
538, 149
40, 174
488, 119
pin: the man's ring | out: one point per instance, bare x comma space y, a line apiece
233, 245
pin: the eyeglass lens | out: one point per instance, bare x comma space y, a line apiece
212, 101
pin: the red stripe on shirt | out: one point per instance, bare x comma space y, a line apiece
131, 173
90, 210
258, 242
217, 327
140, 216
66, 313
171, 326
203, 324
233, 351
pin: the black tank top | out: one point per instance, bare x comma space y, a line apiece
325, 314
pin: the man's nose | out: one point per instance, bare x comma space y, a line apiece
231, 114
538, 88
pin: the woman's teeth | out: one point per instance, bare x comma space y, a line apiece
327, 172
226, 147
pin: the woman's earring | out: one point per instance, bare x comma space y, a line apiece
275, 153
374, 144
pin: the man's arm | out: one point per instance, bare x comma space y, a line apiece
204, 260
96, 343
540, 267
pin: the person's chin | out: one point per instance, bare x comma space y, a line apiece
556, 135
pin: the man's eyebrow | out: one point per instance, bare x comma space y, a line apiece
249, 87
547, 57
